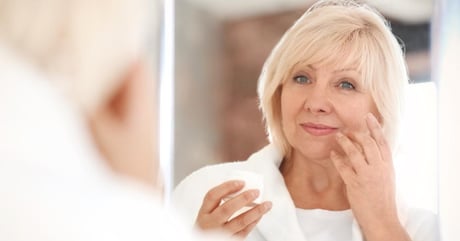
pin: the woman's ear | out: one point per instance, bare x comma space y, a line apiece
124, 127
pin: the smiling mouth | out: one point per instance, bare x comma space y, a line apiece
318, 129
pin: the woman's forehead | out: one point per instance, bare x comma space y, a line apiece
332, 65
342, 54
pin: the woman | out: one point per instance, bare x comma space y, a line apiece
331, 93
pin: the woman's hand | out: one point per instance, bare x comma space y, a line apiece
368, 173
214, 216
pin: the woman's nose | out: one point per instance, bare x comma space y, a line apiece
317, 100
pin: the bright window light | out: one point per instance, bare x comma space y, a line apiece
166, 123
416, 159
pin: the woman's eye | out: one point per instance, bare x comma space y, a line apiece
302, 79
346, 85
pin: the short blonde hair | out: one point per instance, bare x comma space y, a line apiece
341, 33
83, 46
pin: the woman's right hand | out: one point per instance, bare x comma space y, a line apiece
215, 216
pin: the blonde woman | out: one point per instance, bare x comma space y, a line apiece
331, 94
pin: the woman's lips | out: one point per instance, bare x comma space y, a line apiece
318, 129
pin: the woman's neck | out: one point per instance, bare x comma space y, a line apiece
314, 184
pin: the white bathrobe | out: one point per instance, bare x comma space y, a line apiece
280, 223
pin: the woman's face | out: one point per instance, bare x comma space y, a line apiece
319, 101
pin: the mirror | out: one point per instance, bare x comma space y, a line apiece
220, 49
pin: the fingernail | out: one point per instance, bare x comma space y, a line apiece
254, 193
238, 183
268, 205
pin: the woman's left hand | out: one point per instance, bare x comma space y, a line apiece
368, 173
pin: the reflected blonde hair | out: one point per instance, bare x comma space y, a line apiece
342, 33
83, 46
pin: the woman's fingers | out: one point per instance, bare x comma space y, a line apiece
365, 148
243, 233
345, 169
245, 222
370, 149
377, 133
215, 213
229, 207
214, 196
355, 156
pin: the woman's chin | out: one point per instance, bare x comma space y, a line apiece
318, 154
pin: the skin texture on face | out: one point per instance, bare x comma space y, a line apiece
317, 101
